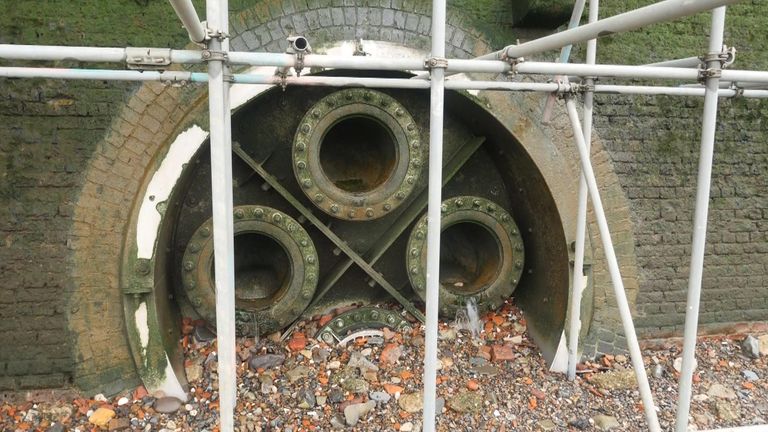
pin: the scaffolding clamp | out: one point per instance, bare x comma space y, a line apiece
725, 57
147, 58
212, 55
436, 63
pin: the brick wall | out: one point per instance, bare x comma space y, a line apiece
53, 132
653, 143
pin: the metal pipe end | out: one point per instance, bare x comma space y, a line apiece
299, 44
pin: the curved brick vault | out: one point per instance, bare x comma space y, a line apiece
124, 161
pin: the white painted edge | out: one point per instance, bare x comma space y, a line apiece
142, 327
560, 362
181, 151
171, 385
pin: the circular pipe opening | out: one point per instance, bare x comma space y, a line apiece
470, 258
358, 154
300, 44
262, 269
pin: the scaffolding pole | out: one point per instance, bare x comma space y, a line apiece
667, 10
221, 196
437, 98
613, 268
574, 327
706, 152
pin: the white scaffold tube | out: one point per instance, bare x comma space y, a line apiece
434, 204
186, 12
177, 77
613, 268
574, 327
706, 154
223, 236
667, 10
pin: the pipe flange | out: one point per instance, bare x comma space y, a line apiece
347, 323
482, 254
294, 288
364, 184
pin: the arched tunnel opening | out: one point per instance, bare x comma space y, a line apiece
503, 236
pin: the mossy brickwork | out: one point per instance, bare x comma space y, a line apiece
654, 145
50, 131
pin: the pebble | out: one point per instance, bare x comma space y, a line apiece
266, 361
380, 397
615, 380
727, 410
658, 371
321, 400
123, 401
167, 405
606, 423
335, 395
306, 398
547, 425
194, 372
101, 417
355, 385
751, 347
502, 353
406, 427
721, 392
411, 402
353, 413
335, 364
749, 375
390, 354
466, 402
579, 423
297, 373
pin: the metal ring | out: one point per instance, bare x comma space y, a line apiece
296, 288
493, 241
387, 123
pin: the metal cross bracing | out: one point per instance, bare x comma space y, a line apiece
149, 65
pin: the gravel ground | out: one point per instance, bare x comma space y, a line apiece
496, 381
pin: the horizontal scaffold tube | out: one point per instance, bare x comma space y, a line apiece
177, 77
667, 10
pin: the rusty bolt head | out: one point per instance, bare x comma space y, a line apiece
277, 218
307, 183
305, 128
205, 232
301, 165
319, 198
334, 208
369, 212
387, 207
259, 213
239, 213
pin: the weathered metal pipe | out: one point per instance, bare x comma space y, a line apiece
481, 254
276, 268
357, 154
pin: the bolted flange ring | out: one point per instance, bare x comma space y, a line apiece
357, 154
276, 268
481, 254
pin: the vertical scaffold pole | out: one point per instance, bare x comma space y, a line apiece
613, 268
221, 192
574, 326
437, 93
706, 153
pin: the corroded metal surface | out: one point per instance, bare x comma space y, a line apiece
481, 254
363, 318
357, 154
276, 268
